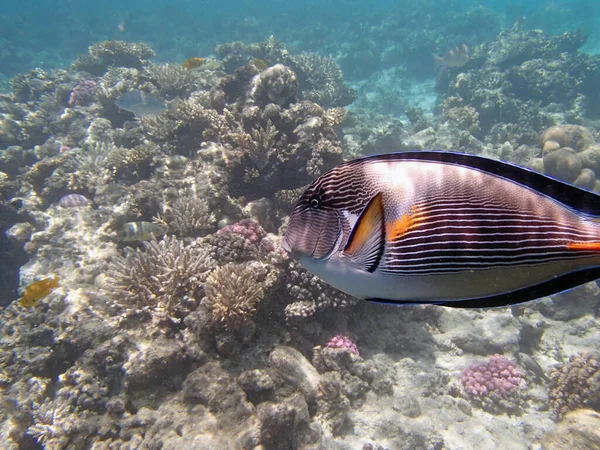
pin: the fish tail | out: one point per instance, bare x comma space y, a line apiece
593, 245
437, 62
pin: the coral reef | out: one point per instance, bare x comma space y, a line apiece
83, 93
105, 54
233, 293
165, 278
575, 384
492, 381
212, 335
570, 154
339, 341
525, 77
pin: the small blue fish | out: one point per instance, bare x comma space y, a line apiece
140, 103
445, 228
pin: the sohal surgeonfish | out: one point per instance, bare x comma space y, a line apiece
445, 228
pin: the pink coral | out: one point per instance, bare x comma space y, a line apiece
83, 93
339, 341
249, 228
495, 378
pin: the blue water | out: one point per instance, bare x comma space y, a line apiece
52, 34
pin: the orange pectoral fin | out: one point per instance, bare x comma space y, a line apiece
588, 246
366, 242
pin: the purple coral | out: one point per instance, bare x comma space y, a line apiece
339, 341
83, 93
249, 228
495, 378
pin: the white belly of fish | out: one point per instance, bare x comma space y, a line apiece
466, 285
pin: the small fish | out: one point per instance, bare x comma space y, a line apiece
140, 231
445, 228
140, 103
73, 201
192, 63
260, 64
456, 57
531, 364
37, 291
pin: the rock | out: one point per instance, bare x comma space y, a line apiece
257, 384
293, 367
579, 430
164, 359
286, 425
407, 406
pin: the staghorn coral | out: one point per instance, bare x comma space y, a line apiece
575, 384
233, 292
164, 276
105, 54
187, 216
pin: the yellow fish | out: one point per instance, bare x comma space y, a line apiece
260, 64
37, 291
192, 63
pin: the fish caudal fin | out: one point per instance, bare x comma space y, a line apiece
585, 246
367, 241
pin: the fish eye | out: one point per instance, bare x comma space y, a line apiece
315, 202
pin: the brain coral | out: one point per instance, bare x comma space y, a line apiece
570, 154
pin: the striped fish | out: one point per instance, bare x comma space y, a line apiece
445, 228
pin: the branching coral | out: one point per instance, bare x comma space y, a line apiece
133, 164
104, 54
188, 215
233, 293
164, 276
173, 80
575, 384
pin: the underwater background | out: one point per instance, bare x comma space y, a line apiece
150, 155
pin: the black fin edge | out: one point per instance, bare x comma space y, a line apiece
579, 199
553, 286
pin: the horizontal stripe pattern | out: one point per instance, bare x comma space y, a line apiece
464, 234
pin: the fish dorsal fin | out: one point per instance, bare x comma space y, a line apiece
572, 196
367, 239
